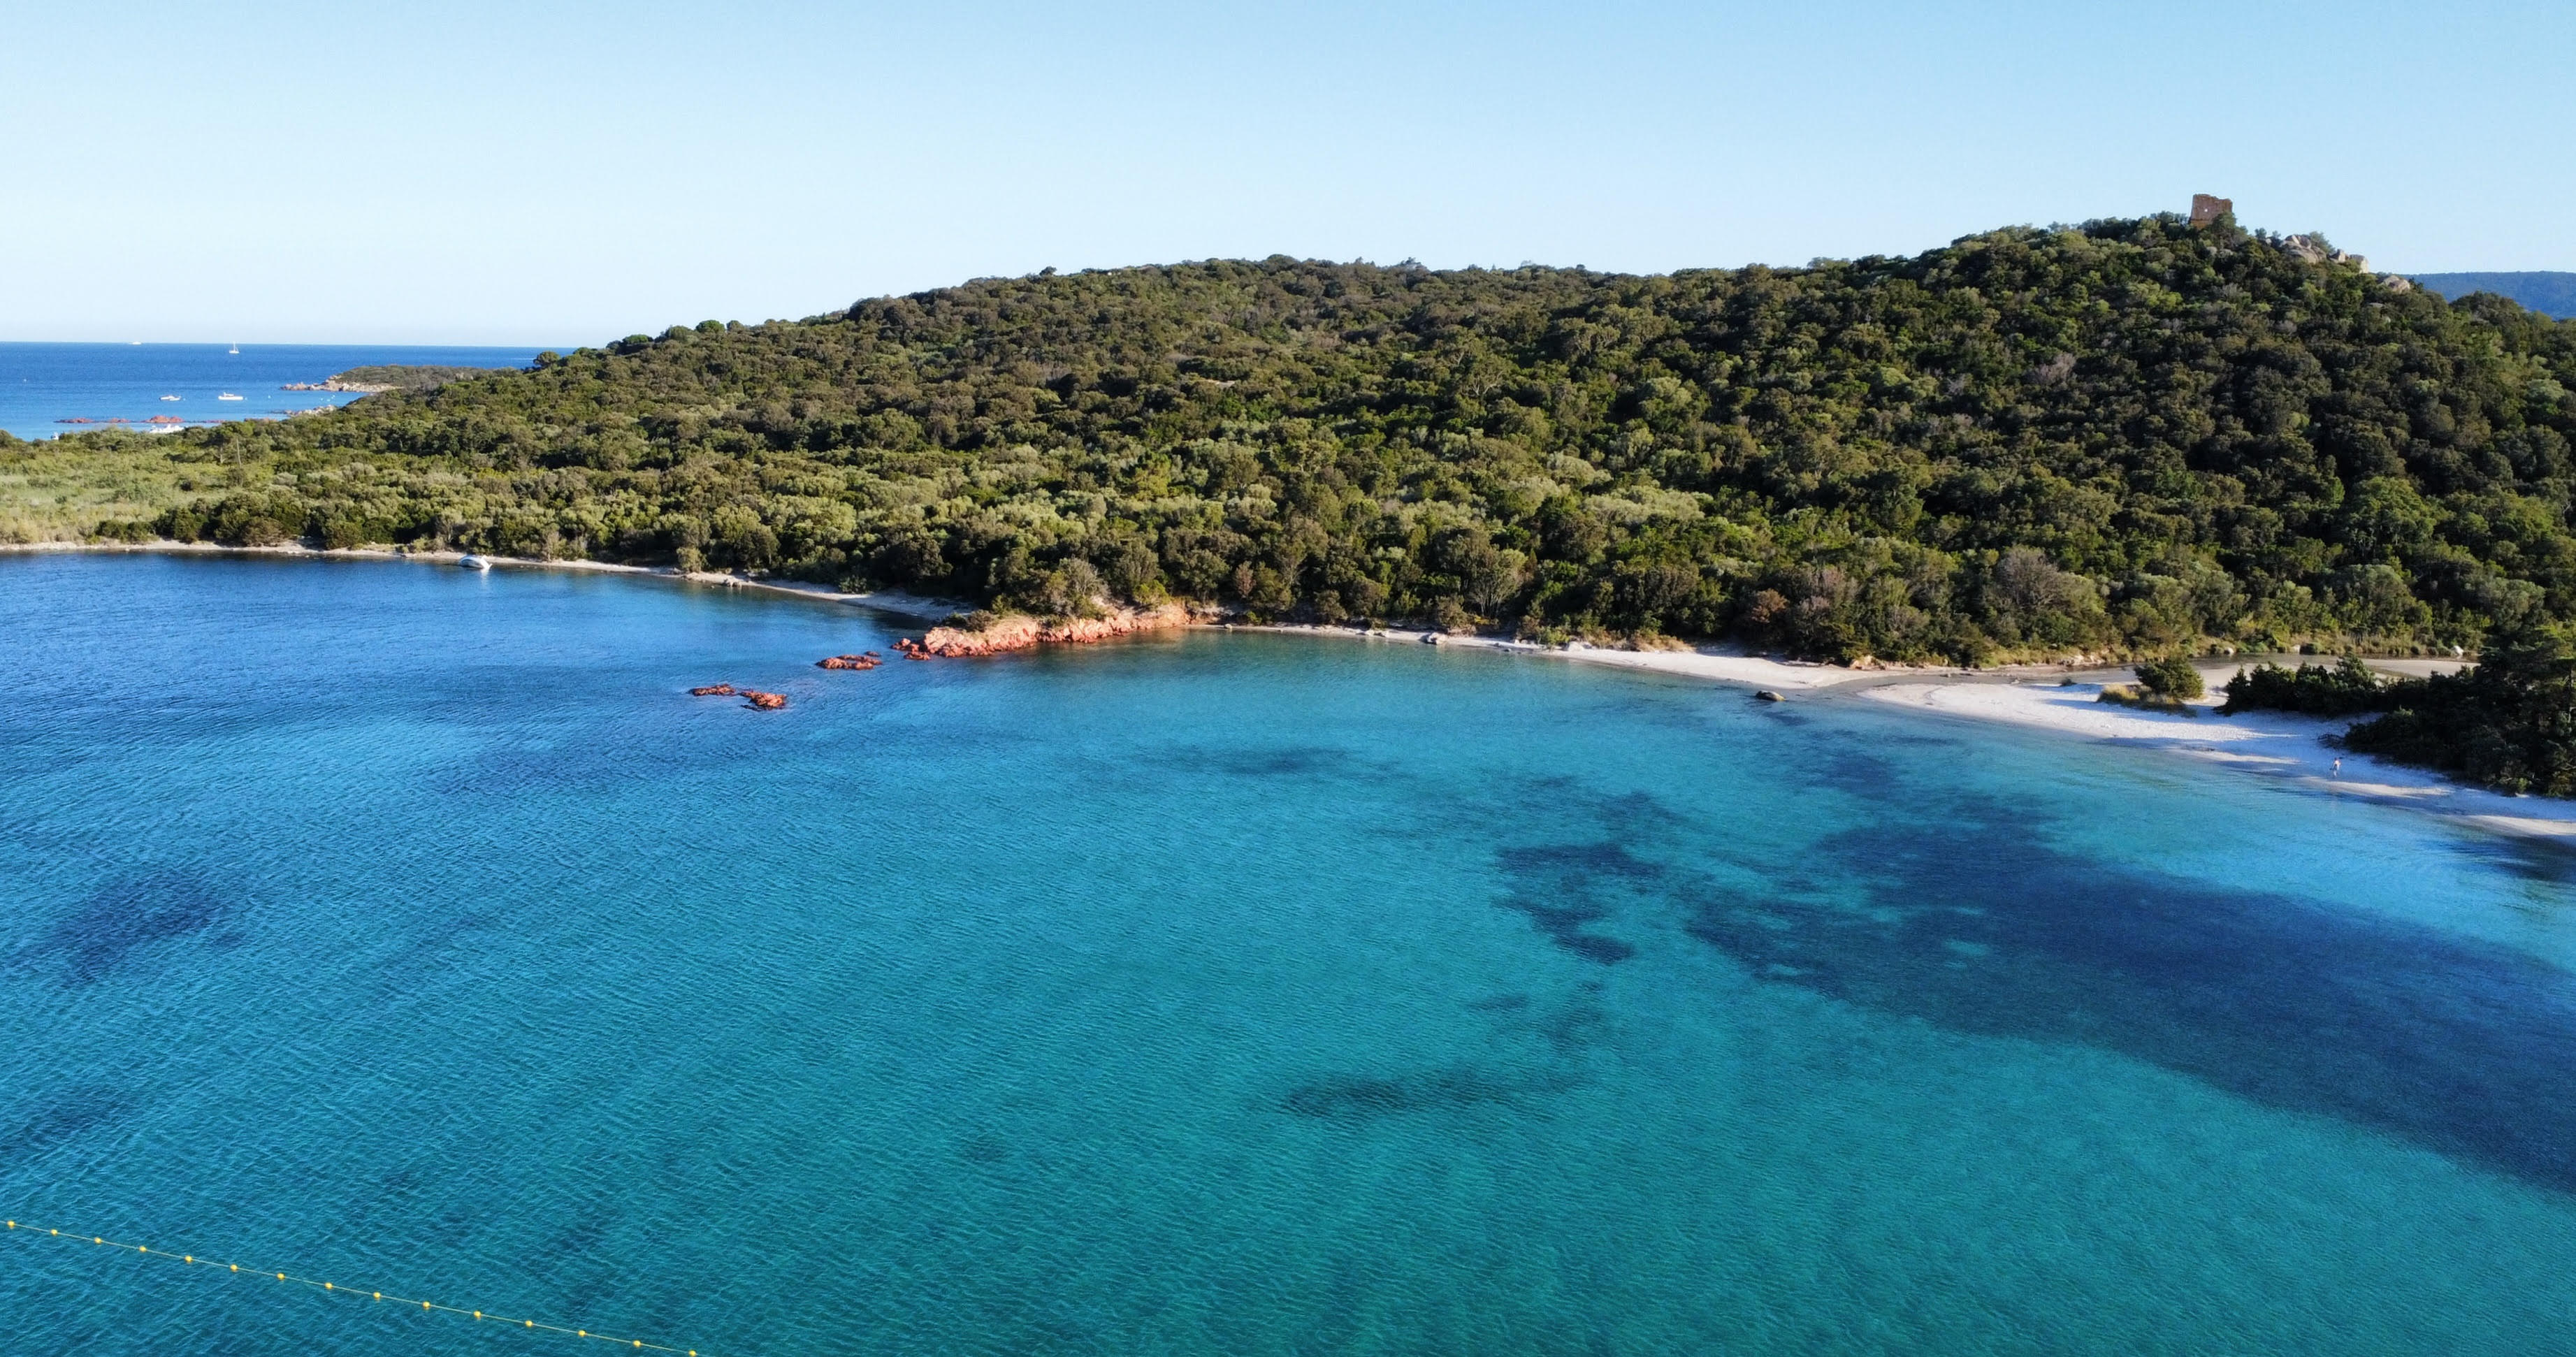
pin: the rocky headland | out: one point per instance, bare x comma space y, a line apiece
392, 377
985, 634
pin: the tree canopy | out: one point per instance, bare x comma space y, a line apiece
2124, 436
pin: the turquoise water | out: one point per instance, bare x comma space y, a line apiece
1217, 994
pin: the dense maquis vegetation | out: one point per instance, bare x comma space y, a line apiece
2509, 723
2343, 689
2129, 436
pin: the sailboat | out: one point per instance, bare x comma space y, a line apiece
234, 349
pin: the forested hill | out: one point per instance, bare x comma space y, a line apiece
2129, 435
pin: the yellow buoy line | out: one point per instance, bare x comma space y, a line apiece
355, 1293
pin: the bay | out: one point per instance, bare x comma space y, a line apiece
42, 385
414, 929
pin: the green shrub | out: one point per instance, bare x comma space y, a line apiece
2172, 678
2131, 695
2343, 690
2509, 723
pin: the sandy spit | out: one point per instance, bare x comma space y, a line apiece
2271, 744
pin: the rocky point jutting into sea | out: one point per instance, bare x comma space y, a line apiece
985, 634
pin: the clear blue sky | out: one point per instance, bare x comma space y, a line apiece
565, 173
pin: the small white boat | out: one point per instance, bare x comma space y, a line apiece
169, 398
473, 562
234, 349
227, 396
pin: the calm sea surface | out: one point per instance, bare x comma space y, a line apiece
413, 929
42, 385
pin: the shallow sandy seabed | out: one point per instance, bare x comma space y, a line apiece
2274, 744
892, 601
2271, 744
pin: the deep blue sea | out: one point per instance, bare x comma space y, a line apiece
1235, 994
42, 385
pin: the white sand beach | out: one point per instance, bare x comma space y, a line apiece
1721, 664
2273, 744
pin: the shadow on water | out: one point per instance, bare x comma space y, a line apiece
1955, 911
2550, 862
126, 916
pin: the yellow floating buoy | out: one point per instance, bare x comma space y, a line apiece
190, 1258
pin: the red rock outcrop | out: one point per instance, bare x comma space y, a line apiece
864, 660
765, 701
713, 690
1021, 632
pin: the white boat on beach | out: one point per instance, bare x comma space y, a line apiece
473, 562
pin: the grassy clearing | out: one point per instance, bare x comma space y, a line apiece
61, 490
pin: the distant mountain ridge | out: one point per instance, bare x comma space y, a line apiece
2549, 293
